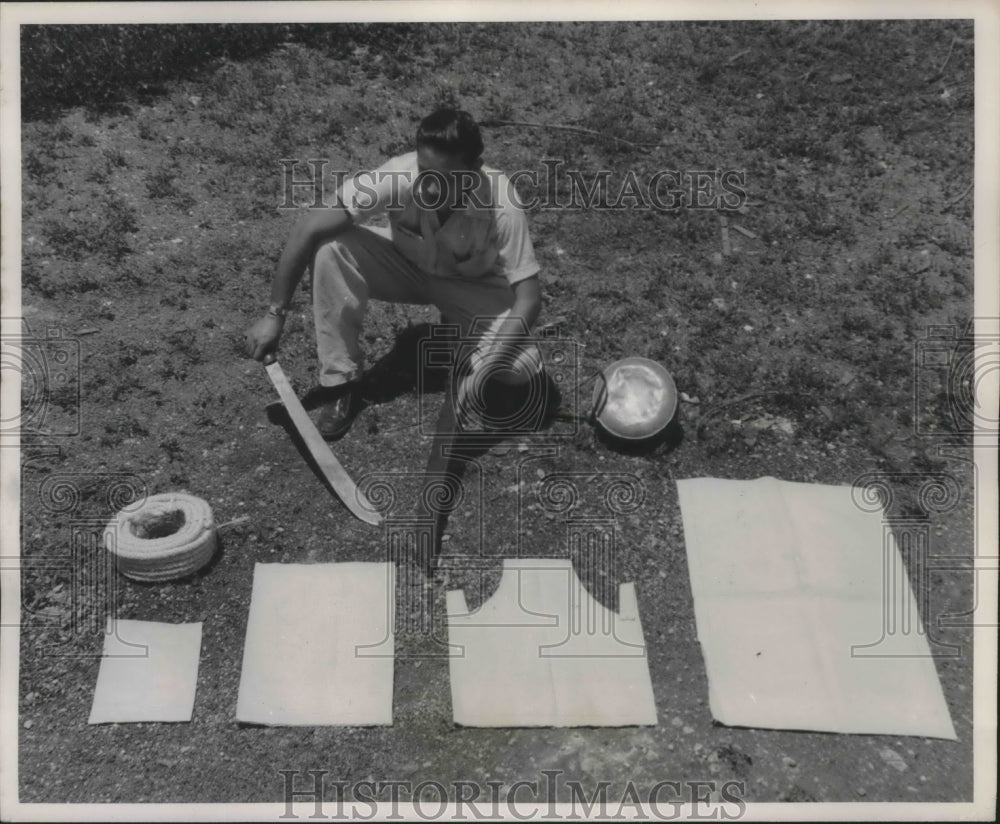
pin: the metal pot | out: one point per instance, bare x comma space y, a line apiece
635, 399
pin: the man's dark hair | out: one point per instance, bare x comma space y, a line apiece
452, 132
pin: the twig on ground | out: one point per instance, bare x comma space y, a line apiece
565, 128
899, 211
737, 56
727, 247
235, 522
955, 200
714, 410
552, 323
951, 48
402, 428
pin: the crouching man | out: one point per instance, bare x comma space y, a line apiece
457, 239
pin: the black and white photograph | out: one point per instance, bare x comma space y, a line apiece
432, 412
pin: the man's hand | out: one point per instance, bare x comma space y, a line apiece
262, 338
312, 228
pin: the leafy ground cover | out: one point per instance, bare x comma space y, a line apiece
150, 233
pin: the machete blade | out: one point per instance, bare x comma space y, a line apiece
353, 498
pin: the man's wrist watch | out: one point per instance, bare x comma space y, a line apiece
277, 310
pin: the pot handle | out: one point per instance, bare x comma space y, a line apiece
602, 397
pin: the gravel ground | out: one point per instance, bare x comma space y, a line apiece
150, 234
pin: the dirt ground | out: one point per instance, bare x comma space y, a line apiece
150, 236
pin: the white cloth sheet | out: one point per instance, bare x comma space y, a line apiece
148, 672
542, 652
795, 604
319, 645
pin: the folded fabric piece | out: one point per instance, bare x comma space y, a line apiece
319, 645
148, 672
791, 600
541, 652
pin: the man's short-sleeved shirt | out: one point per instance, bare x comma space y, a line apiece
488, 236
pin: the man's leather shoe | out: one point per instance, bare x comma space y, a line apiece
338, 413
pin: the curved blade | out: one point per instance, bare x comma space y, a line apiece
354, 499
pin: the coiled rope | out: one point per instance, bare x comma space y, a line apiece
169, 536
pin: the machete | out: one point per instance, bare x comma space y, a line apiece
354, 499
